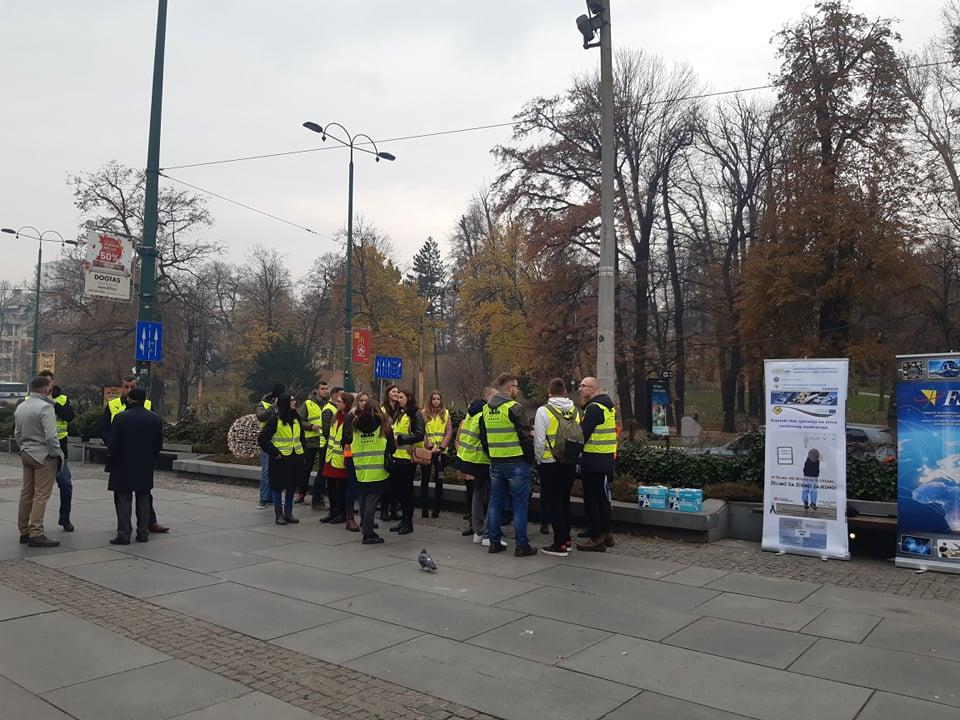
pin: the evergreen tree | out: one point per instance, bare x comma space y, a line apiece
428, 276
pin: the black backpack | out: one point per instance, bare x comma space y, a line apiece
569, 441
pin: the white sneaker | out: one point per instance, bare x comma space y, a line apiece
486, 542
261, 505
478, 538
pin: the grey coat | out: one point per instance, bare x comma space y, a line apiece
35, 428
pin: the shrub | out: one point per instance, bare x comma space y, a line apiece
88, 424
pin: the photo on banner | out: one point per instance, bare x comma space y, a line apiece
805, 468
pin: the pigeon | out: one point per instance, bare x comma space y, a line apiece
426, 562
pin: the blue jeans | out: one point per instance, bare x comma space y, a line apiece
512, 478
65, 483
283, 505
809, 494
264, 477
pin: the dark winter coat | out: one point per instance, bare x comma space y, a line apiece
136, 438
592, 417
811, 468
286, 472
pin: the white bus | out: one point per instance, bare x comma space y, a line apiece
12, 391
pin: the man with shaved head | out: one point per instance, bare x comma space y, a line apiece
596, 463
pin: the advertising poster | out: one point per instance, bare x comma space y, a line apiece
928, 461
107, 266
805, 468
659, 402
361, 345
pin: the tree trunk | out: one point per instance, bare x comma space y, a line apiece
741, 396
679, 340
729, 377
756, 395
183, 397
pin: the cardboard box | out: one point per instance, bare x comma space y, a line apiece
653, 497
689, 500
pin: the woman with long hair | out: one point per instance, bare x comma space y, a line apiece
282, 440
439, 432
373, 444
360, 404
409, 431
335, 468
391, 401
390, 503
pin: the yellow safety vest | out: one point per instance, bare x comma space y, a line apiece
603, 439
286, 438
552, 425
502, 438
265, 406
469, 447
314, 415
402, 427
116, 407
61, 400
437, 428
335, 448
369, 453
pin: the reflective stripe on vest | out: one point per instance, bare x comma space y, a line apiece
61, 400
333, 414
266, 405
502, 438
369, 453
286, 439
469, 447
603, 439
552, 425
402, 427
335, 448
437, 428
116, 407
314, 415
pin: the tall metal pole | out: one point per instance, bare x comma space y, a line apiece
348, 299
606, 370
148, 246
36, 313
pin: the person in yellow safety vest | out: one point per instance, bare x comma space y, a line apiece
282, 439
373, 445
409, 430
110, 412
556, 478
335, 468
597, 463
266, 410
505, 434
390, 505
473, 460
65, 414
439, 433
316, 413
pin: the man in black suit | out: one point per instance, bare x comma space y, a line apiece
136, 438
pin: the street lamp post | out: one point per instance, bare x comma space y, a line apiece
350, 142
36, 302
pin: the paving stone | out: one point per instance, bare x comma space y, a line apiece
188, 511
239, 540
540, 639
193, 553
885, 706
20, 703
653, 706
140, 577
254, 706
941, 641
759, 611
456, 619
638, 590
501, 685
840, 625
244, 520
10, 549
341, 559
925, 678
78, 557
450, 582
765, 587
623, 564
603, 613
347, 639
695, 576
729, 685
462, 553
247, 610
303, 583
885, 604
231, 505
145, 693
751, 643
43, 652
15, 605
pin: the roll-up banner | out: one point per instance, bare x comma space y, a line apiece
928, 462
805, 469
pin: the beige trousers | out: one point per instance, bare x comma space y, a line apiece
38, 479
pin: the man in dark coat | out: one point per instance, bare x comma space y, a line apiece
136, 438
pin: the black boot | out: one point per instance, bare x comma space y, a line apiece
280, 519
424, 513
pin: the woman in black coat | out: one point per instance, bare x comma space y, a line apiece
409, 430
282, 439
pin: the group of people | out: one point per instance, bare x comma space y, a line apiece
367, 455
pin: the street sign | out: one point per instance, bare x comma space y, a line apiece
361, 345
149, 341
47, 361
387, 368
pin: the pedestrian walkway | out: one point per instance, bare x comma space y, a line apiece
232, 616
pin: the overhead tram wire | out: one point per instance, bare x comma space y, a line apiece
248, 207
494, 126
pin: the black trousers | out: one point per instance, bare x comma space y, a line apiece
435, 468
320, 482
123, 502
309, 458
556, 480
401, 487
595, 487
337, 492
368, 510
153, 515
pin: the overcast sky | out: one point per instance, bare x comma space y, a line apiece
241, 76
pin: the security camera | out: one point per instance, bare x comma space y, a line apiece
595, 7
585, 26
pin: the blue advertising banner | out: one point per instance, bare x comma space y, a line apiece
928, 455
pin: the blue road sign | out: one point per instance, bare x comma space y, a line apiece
387, 368
149, 341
